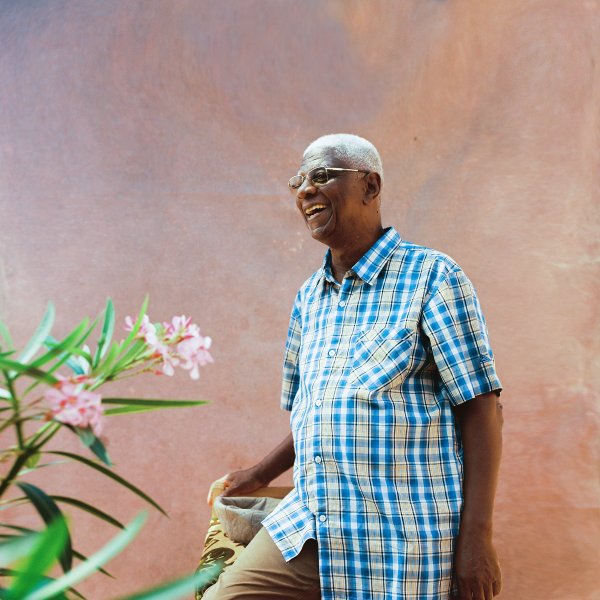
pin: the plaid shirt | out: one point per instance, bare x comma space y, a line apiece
372, 369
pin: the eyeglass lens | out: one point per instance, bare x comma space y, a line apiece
317, 176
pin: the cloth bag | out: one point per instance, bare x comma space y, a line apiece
241, 516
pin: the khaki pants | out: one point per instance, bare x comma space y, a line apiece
261, 573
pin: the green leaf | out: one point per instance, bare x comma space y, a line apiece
23, 369
65, 351
138, 322
93, 443
48, 464
137, 405
33, 460
180, 587
70, 344
39, 336
138, 347
49, 511
5, 334
13, 550
26, 530
49, 545
105, 365
108, 473
44, 434
107, 332
90, 509
90, 566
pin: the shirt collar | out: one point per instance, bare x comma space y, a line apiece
370, 264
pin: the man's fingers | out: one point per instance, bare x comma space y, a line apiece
497, 586
479, 592
228, 489
216, 488
464, 590
489, 591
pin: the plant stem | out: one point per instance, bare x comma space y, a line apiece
52, 425
12, 474
17, 410
144, 370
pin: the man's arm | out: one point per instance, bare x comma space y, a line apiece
476, 567
274, 464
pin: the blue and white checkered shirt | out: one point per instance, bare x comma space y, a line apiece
373, 367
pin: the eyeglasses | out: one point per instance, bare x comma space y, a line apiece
318, 176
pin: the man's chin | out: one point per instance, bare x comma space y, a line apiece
323, 232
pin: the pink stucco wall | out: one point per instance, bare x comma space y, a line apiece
145, 148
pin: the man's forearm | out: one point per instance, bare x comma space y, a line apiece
480, 422
278, 461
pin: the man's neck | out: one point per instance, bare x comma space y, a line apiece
344, 257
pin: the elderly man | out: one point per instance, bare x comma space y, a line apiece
395, 423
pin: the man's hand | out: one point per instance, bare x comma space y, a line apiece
242, 482
260, 475
476, 568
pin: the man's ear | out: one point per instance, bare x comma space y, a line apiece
372, 183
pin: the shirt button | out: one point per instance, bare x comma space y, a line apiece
322, 518
318, 459
342, 303
318, 402
331, 353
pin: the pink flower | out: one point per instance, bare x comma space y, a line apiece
181, 328
72, 404
178, 343
193, 352
147, 330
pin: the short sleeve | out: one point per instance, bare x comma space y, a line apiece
291, 374
455, 326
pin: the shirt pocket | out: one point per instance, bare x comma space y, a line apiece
382, 357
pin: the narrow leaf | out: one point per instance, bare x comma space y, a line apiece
93, 443
26, 530
180, 587
49, 545
90, 509
49, 511
48, 464
105, 365
108, 473
67, 351
23, 369
138, 405
5, 334
90, 566
138, 347
137, 324
39, 336
33, 460
4, 594
107, 332
15, 549
68, 345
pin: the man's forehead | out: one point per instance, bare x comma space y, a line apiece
323, 156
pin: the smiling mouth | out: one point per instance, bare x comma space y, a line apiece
313, 211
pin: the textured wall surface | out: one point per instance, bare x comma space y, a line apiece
145, 147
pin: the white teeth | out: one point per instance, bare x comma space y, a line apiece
312, 209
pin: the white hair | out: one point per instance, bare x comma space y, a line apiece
357, 151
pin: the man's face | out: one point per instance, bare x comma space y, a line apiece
333, 211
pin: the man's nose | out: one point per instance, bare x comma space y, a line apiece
307, 188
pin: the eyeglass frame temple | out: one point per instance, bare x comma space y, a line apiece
304, 177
